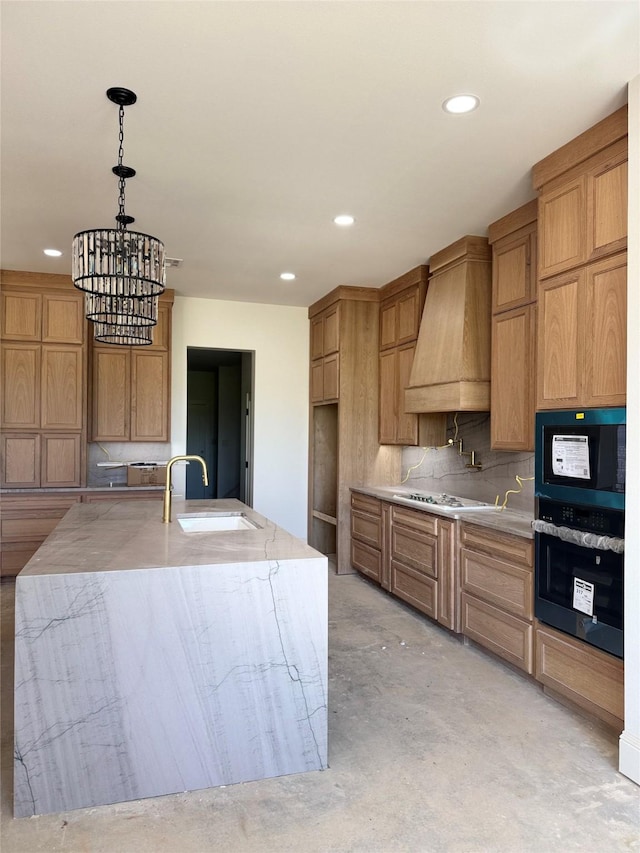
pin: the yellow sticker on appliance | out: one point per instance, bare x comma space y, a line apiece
579, 416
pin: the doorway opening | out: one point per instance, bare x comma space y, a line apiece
220, 423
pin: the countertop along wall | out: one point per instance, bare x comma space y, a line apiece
279, 336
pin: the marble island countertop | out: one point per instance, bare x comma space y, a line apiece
117, 535
508, 520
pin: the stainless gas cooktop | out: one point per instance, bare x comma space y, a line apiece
450, 503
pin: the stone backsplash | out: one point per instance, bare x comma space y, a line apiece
444, 470
125, 452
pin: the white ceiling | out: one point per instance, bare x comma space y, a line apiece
258, 122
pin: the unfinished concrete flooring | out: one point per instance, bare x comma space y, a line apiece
433, 746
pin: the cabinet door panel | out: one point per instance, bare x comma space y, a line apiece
331, 331
366, 528
512, 372
415, 549
317, 382
162, 331
406, 423
505, 586
607, 207
388, 312
20, 461
605, 332
317, 347
513, 270
447, 575
63, 319
562, 228
21, 316
559, 370
330, 377
110, 394
149, 400
62, 387
61, 456
408, 320
20, 386
388, 396
366, 559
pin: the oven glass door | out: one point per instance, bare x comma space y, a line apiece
580, 591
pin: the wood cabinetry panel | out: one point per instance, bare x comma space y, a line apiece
415, 588
365, 503
507, 586
317, 347
366, 559
607, 188
331, 331
512, 380
559, 369
61, 460
505, 635
407, 425
590, 678
366, 528
415, 549
408, 316
513, 270
331, 377
62, 387
20, 386
605, 333
20, 460
562, 228
415, 519
110, 394
149, 403
21, 316
387, 417
388, 312
317, 381
161, 335
448, 587
63, 318
515, 549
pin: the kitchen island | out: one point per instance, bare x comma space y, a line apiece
151, 660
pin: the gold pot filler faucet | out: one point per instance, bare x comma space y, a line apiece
166, 505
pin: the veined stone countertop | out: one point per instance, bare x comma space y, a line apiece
506, 520
110, 536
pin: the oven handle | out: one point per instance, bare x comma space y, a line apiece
580, 537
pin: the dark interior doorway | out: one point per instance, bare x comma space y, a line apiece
220, 422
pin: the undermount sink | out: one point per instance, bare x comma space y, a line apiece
213, 522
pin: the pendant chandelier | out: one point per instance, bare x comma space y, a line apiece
122, 272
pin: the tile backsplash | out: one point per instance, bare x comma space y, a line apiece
124, 452
443, 470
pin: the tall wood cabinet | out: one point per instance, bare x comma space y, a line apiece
43, 381
130, 386
582, 219
513, 239
343, 419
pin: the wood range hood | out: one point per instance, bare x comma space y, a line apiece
452, 364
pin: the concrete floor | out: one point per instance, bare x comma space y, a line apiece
433, 746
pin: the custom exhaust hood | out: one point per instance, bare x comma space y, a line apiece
452, 363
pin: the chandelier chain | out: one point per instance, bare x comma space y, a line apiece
122, 223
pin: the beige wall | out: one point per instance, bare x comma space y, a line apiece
279, 336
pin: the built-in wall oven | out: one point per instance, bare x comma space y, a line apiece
579, 526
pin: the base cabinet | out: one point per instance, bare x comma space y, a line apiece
496, 578
366, 536
591, 679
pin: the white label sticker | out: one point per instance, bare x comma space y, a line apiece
583, 596
570, 456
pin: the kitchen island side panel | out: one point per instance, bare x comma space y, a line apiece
134, 684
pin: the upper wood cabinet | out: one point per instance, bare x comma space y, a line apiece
513, 240
325, 362
400, 315
582, 337
583, 198
131, 386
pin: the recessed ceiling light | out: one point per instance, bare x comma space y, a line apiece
287, 276
344, 219
459, 104
53, 253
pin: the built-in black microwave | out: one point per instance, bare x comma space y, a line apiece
581, 456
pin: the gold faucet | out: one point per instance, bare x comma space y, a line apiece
166, 507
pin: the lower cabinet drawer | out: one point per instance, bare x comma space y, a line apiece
14, 556
587, 676
366, 528
367, 560
416, 549
415, 588
506, 586
500, 632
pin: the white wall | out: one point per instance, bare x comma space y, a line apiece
629, 761
279, 336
